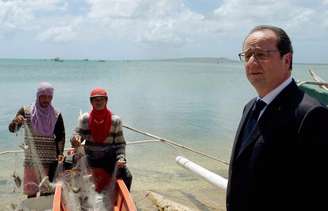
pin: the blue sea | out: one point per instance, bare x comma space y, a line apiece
194, 104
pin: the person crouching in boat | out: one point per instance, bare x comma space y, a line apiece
44, 140
104, 142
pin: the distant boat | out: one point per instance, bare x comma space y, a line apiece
57, 59
101, 60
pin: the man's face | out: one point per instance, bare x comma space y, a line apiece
265, 68
45, 100
99, 103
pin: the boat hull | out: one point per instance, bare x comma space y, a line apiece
122, 202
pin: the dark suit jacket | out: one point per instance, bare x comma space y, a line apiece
284, 167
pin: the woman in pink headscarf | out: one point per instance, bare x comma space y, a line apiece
44, 138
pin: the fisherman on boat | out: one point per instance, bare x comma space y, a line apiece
104, 142
44, 139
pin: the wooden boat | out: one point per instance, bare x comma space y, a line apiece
123, 200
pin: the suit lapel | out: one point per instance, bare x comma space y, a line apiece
253, 137
241, 127
290, 95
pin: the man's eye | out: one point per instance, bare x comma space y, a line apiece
260, 55
248, 55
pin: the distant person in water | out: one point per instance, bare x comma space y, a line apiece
105, 144
44, 139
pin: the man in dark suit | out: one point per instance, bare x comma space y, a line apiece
280, 154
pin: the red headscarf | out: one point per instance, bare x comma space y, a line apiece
100, 121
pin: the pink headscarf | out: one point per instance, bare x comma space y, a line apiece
43, 119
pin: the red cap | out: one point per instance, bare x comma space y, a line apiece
98, 92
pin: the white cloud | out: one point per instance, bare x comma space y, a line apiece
153, 22
134, 9
157, 24
58, 34
161, 33
13, 15
43, 4
325, 20
112, 8
233, 14
18, 15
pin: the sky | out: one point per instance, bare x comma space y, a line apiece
156, 29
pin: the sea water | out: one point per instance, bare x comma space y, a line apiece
194, 104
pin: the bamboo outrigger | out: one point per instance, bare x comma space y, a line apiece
317, 87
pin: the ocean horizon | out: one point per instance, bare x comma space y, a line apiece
169, 59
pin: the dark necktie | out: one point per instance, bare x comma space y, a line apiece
252, 121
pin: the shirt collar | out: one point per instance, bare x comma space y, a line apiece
274, 93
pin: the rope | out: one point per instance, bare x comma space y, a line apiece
155, 140
175, 144
142, 142
11, 151
15, 166
149, 141
66, 149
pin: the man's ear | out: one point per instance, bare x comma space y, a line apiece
288, 58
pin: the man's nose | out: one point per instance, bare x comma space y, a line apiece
252, 63
252, 59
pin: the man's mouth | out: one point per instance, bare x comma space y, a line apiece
256, 73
